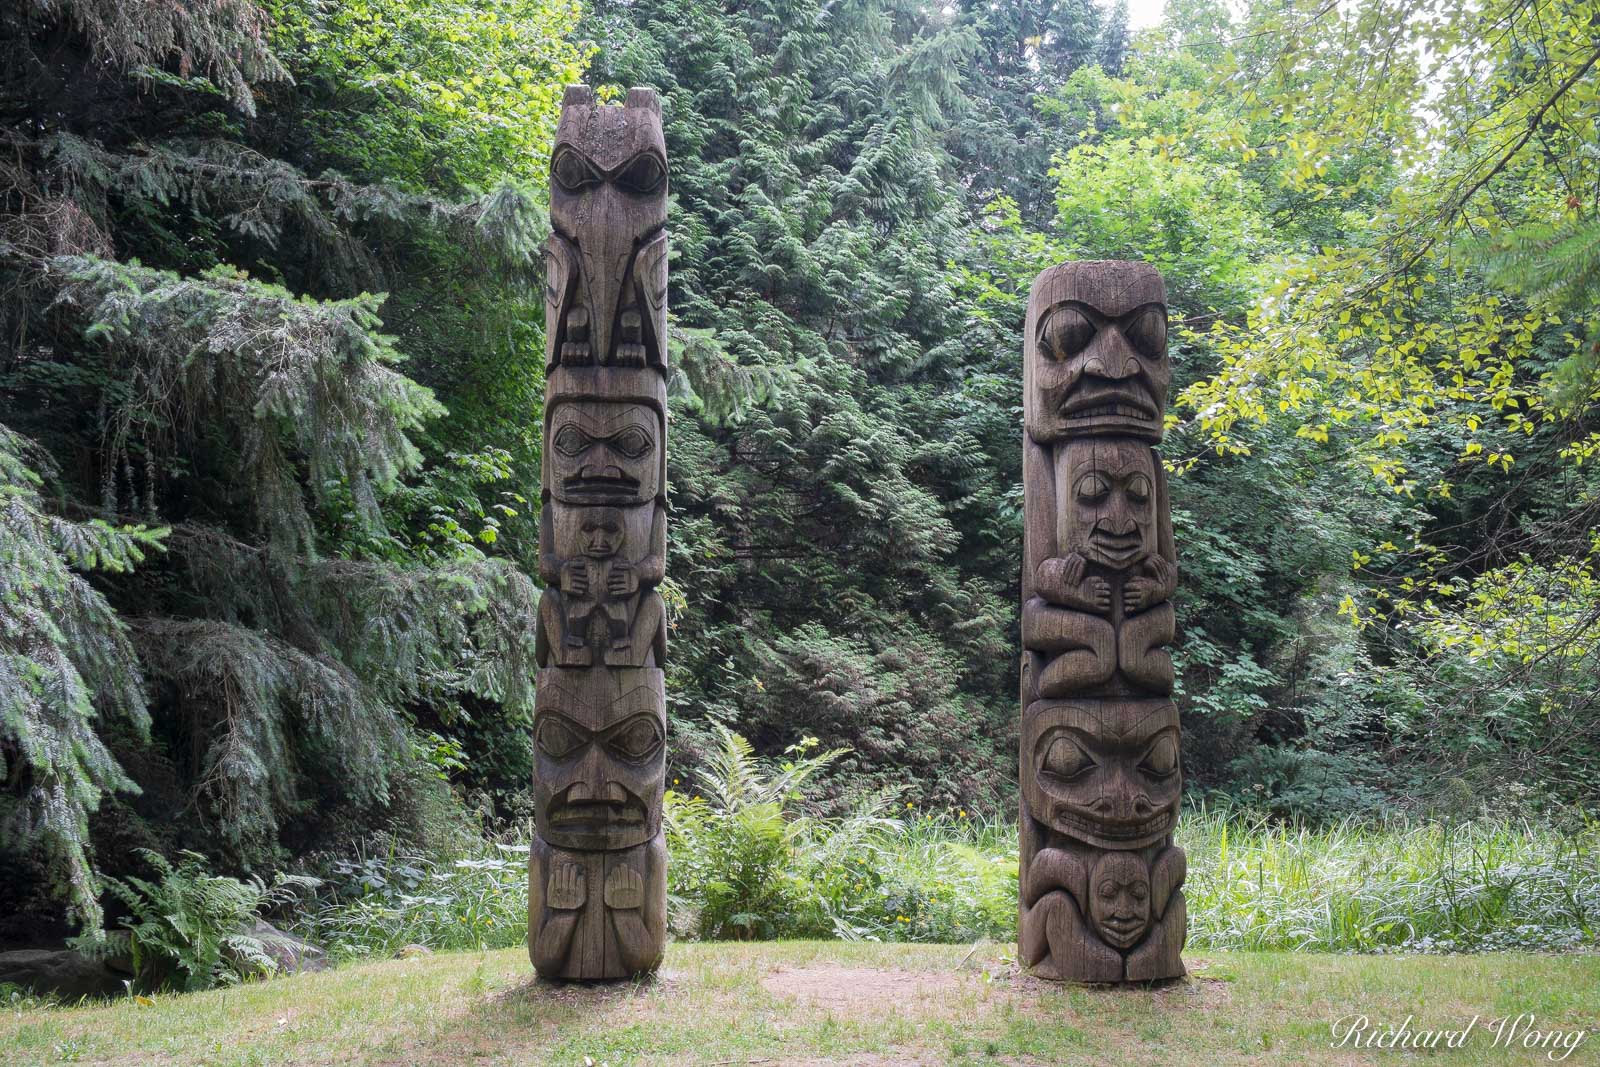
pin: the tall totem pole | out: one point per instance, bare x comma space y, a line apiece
1100, 878
597, 870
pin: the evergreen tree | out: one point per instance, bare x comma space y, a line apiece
196, 365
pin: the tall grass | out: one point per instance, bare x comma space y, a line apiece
746, 861
1418, 886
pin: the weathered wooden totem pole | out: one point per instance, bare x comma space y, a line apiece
1101, 896
597, 871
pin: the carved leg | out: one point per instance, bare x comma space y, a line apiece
576, 351
579, 614
630, 349
636, 902
646, 645
1160, 954
554, 643
1142, 652
1034, 943
1085, 644
1075, 953
560, 891
617, 624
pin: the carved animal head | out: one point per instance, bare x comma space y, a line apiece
1119, 899
1095, 352
1104, 773
608, 199
600, 769
1109, 498
603, 454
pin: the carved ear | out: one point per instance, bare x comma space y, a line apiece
645, 97
1054, 868
1166, 875
577, 95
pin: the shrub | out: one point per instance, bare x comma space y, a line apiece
376, 905
191, 929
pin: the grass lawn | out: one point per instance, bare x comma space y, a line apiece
816, 1003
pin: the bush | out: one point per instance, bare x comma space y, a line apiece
190, 928
377, 905
747, 862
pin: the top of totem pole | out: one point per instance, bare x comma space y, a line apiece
609, 135
1095, 352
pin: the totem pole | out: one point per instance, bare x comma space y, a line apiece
597, 872
1101, 896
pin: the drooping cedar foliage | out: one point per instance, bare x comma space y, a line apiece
242, 582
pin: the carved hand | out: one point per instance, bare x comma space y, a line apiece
567, 890
1062, 581
622, 581
1157, 583
575, 577
624, 889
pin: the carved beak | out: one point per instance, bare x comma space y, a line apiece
607, 253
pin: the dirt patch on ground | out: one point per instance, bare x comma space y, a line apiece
860, 989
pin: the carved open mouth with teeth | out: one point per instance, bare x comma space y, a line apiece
611, 483
1091, 402
1128, 835
1117, 548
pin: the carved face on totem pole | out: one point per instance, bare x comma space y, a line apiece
600, 768
1119, 899
1109, 512
1105, 772
1095, 357
606, 261
601, 532
604, 454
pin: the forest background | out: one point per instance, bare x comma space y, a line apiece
271, 385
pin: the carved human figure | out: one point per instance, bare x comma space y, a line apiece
603, 535
1106, 917
1099, 606
598, 866
606, 258
598, 586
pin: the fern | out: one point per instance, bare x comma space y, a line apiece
189, 928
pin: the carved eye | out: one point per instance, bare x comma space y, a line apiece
1092, 487
1066, 333
1139, 489
557, 738
1139, 890
1066, 759
570, 440
1148, 332
572, 172
632, 442
1162, 759
643, 175
637, 739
